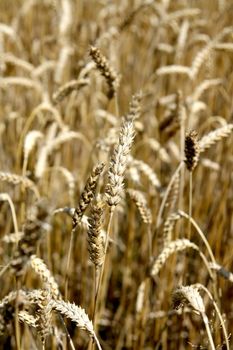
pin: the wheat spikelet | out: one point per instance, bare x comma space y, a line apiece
199, 60
30, 141
169, 249
118, 164
169, 226
66, 89
192, 150
156, 146
109, 117
182, 39
69, 178
141, 204
44, 315
9, 31
205, 85
25, 317
88, 193
10, 58
95, 239
147, 171
104, 144
52, 145
134, 107
131, 16
190, 295
34, 296
76, 314
18, 180
12, 296
109, 73
172, 195
210, 164
20, 81
173, 69
43, 272
214, 136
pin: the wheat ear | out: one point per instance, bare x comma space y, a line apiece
191, 152
108, 72
172, 247
66, 89
214, 136
77, 315
190, 295
44, 273
17, 179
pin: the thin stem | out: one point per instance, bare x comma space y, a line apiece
207, 327
201, 234
200, 286
103, 265
167, 193
182, 173
17, 328
67, 333
97, 343
116, 105
190, 202
68, 261
149, 242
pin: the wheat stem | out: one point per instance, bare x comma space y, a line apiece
159, 218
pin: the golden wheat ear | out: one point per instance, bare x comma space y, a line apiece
77, 315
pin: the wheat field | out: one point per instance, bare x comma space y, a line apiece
116, 174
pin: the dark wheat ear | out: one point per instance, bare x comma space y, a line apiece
191, 150
111, 76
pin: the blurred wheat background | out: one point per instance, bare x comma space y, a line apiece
116, 174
